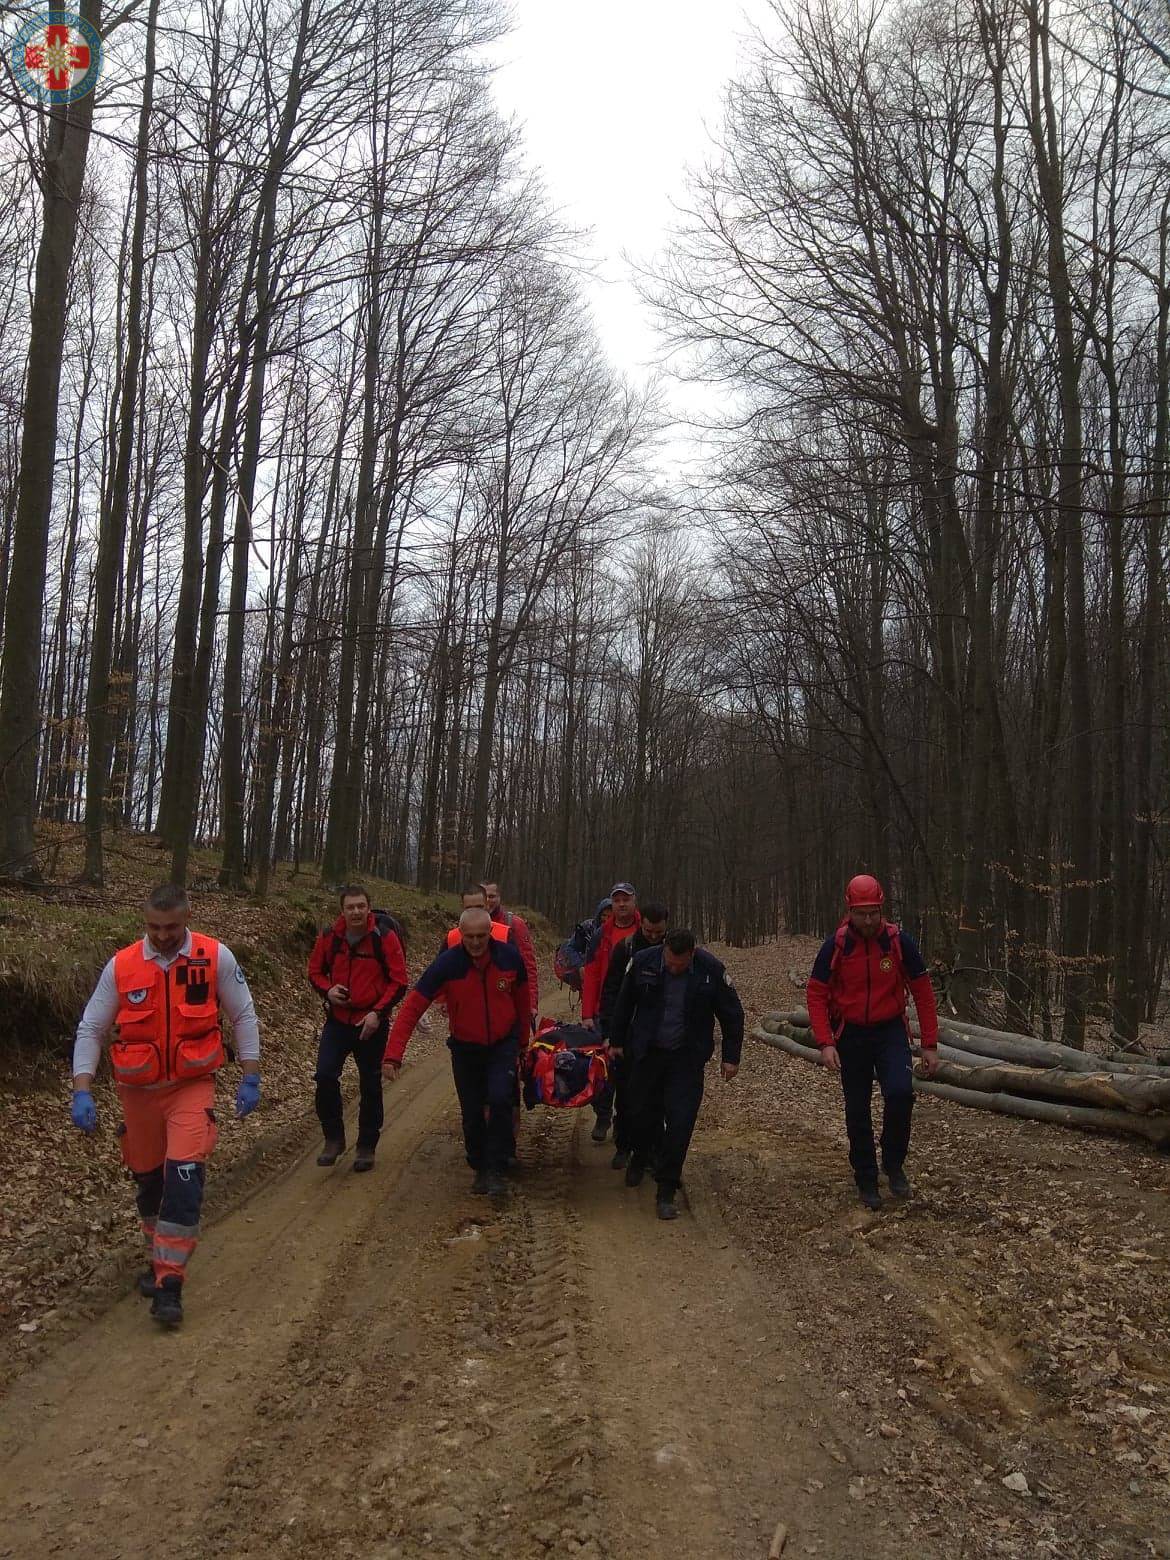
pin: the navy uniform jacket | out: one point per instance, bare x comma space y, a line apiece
710, 996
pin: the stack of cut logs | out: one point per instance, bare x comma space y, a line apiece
1015, 1075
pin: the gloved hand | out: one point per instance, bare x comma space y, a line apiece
84, 1111
247, 1095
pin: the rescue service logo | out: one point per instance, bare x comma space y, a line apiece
135, 997
56, 56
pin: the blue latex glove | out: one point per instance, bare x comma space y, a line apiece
247, 1095
84, 1111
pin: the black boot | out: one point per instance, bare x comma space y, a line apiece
665, 1205
620, 1160
332, 1152
899, 1185
600, 1129
145, 1284
635, 1170
480, 1185
871, 1197
167, 1306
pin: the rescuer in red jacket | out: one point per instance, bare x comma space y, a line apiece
485, 987
623, 923
518, 928
360, 970
857, 1008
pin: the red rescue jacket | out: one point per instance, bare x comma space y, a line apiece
597, 962
521, 935
864, 981
486, 1001
168, 1019
371, 989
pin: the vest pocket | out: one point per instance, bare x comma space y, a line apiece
197, 1054
136, 1062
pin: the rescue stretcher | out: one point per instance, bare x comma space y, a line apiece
565, 1066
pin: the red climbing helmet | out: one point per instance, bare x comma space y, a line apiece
863, 892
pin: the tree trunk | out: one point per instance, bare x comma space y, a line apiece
62, 180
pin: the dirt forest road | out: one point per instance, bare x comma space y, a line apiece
386, 1366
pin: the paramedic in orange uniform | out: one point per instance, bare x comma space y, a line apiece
164, 994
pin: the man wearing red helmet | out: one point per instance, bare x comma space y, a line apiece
857, 1008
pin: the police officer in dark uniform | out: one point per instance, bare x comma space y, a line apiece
649, 935
663, 1028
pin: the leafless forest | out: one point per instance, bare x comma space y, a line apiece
328, 535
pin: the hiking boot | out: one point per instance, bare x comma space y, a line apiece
634, 1173
871, 1197
495, 1185
665, 1207
331, 1153
145, 1285
480, 1185
899, 1185
167, 1306
620, 1160
600, 1129
363, 1159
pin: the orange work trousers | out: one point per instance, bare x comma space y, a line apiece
167, 1137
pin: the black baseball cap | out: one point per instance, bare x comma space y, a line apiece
623, 888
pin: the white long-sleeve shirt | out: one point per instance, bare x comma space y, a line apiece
102, 1008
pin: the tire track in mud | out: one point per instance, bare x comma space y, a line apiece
433, 1403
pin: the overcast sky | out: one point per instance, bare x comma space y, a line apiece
615, 97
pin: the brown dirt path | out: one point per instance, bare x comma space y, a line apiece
387, 1366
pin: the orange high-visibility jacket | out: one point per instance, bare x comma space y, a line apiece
499, 931
168, 1019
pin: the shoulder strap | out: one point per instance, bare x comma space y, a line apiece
383, 923
896, 945
838, 946
333, 948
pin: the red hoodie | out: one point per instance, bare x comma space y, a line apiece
597, 961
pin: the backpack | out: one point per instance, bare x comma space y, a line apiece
565, 1066
383, 922
569, 959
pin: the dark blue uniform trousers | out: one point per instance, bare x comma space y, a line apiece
880, 1051
337, 1042
667, 1090
485, 1081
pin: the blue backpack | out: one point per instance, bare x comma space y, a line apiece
569, 959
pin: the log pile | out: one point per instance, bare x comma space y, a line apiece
1016, 1075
